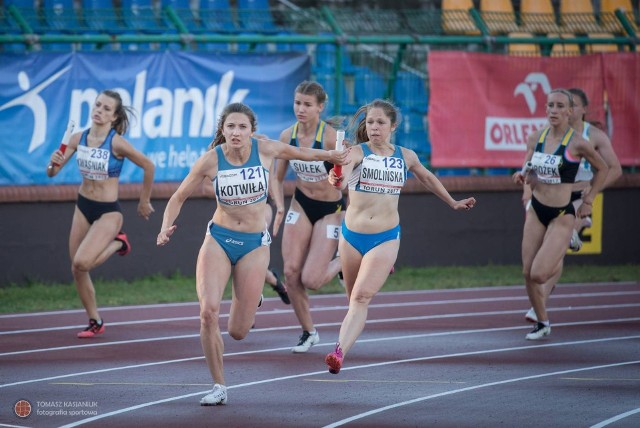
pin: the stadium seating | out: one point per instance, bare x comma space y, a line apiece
217, 17
410, 93
255, 16
412, 134
142, 16
538, 16
368, 86
578, 16
564, 49
608, 19
456, 18
523, 49
598, 47
100, 16
499, 16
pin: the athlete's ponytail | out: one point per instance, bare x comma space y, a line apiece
121, 124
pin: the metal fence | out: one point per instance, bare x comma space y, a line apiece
357, 53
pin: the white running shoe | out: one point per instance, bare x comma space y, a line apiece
538, 332
531, 316
576, 243
218, 395
307, 340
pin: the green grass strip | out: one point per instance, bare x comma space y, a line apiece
34, 297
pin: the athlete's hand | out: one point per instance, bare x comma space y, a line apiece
334, 180
164, 235
145, 209
584, 210
465, 204
277, 221
517, 177
340, 157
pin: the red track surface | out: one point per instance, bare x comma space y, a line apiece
437, 358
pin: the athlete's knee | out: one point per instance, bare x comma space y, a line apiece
539, 277
80, 265
312, 280
209, 316
292, 274
237, 333
362, 297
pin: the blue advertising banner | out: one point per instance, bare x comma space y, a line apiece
176, 96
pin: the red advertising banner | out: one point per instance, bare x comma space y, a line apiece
483, 106
622, 83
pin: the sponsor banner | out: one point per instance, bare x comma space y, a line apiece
176, 96
622, 83
484, 106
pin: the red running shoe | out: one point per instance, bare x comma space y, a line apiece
334, 360
93, 330
126, 247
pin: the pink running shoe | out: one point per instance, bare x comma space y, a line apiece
93, 330
334, 360
126, 247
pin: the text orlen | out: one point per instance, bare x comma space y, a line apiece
510, 133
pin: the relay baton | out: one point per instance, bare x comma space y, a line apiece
66, 137
339, 146
526, 168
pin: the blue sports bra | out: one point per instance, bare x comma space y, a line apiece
241, 185
98, 163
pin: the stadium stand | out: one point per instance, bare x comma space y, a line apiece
456, 18
538, 16
358, 53
499, 16
564, 49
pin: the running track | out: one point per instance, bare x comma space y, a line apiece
448, 358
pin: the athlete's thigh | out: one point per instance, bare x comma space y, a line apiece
99, 236
555, 244
323, 245
79, 228
213, 269
532, 236
248, 281
296, 236
350, 260
375, 268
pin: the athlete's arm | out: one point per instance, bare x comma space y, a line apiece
584, 149
432, 183
277, 184
58, 159
205, 167
123, 148
604, 147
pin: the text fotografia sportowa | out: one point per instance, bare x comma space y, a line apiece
66, 408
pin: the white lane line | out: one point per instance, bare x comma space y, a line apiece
333, 324
367, 366
344, 308
321, 297
472, 388
616, 418
287, 348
